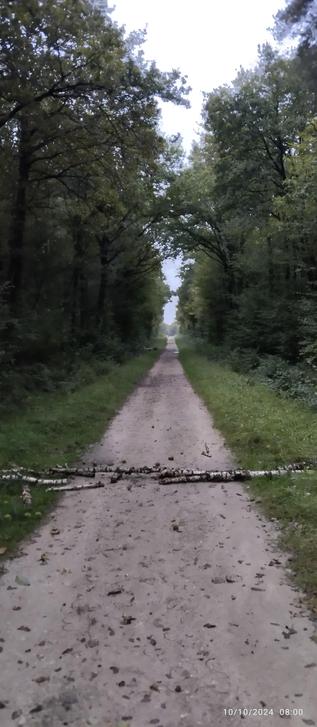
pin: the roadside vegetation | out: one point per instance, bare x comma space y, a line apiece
243, 214
93, 196
84, 166
56, 428
265, 429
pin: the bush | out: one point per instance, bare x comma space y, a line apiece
297, 381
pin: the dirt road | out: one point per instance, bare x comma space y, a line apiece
131, 621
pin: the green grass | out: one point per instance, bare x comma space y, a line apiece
264, 429
56, 428
16, 520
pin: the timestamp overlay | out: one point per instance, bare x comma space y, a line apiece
244, 712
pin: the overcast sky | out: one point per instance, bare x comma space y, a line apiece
208, 40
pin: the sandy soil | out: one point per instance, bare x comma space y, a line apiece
132, 621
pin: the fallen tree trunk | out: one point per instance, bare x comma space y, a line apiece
19, 476
228, 475
69, 488
105, 468
164, 475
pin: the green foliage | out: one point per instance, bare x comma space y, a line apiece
293, 501
83, 170
295, 381
55, 427
169, 329
244, 211
264, 430
17, 520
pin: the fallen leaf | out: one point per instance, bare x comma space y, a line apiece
3, 551
93, 643
41, 680
22, 581
253, 588
17, 713
127, 620
115, 592
289, 632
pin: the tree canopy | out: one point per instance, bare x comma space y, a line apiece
246, 205
84, 167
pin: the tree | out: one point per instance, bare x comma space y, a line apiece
245, 285
83, 167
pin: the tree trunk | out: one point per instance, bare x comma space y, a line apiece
103, 300
270, 264
18, 218
79, 293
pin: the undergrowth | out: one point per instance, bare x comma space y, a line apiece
56, 427
265, 430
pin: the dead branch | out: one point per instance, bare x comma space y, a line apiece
26, 496
69, 488
73, 471
19, 476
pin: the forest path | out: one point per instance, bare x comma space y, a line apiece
133, 621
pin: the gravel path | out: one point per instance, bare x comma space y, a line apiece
156, 605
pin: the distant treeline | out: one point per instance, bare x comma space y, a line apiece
169, 329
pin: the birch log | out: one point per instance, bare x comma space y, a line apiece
165, 475
30, 480
72, 487
228, 475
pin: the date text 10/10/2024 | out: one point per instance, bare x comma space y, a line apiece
263, 712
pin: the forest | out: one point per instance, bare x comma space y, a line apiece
245, 207
93, 195
84, 169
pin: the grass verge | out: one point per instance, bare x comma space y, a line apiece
264, 429
56, 428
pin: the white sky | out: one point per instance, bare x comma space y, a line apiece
208, 40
